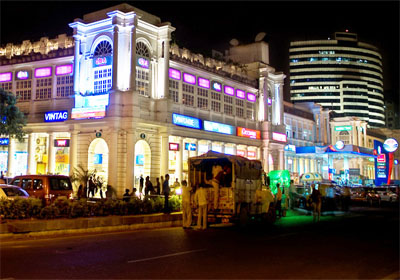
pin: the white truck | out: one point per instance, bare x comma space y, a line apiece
235, 188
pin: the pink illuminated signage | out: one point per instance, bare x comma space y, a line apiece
251, 97
42, 72
241, 153
5, 77
173, 146
216, 86
23, 75
190, 79
174, 74
240, 94
204, 83
143, 62
381, 158
229, 90
251, 154
63, 69
281, 137
61, 143
101, 61
269, 101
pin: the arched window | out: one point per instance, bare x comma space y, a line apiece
345, 137
104, 48
102, 70
142, 68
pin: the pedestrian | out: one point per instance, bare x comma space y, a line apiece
158, 186
201, 201
278, 202
166, 190
80, 191
162, 182
126, 197
109, 192
141, 184
92, 187
148, 187
186, 208
316, 202
176, 185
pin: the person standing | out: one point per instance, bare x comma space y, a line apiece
92, 187
201, 200
158, 186
186, 209
316, 202
141, 184
279, 200
166, 190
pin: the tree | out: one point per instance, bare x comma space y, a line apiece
12, 119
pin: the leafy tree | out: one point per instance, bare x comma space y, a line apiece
12, 119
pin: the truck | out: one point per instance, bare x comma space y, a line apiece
236, 190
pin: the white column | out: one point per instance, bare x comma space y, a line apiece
164, 154
10, 163
31, 153
113, 159
73, 152
133, 57
281, 159
209, 145
115, 58
301, 166
130, 161
52, 156
266, 160
76, 65
222, 147
179, 160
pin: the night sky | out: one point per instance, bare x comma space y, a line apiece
203, 26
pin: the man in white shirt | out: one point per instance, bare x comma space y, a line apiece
201, 200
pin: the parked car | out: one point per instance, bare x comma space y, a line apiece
12, 192
45, 187
373, 197
359, 194
387, 194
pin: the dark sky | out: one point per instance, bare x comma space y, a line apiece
202, 26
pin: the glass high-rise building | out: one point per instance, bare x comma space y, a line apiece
342, 74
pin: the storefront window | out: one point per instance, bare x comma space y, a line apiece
3, 158
41, 156
20, 158
61, 150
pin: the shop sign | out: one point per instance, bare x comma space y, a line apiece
56, 116
188, 78
140, 159
248, 133
204, 83
216, 86
343, 128
63, 69
5, 77
190, 147
241, 153
396, 162
290, 148
62, 158
61, 143
173, 146
390, 145
240, 94
174, 74
186, 121
102, 61
251, 97
219, 127
339, 145
42, 72
251, 154
23, 75
142, 62
381, 158
229, 90
87, 113
98, 159
4, 141
281, 137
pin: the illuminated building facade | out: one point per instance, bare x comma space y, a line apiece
117, 98
343, 74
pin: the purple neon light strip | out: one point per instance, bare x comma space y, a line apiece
188, 78
174, 74
229, 90
42, 72
251, 97
204, 83
63, 69
240, 94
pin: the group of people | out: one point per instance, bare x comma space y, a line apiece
90, 189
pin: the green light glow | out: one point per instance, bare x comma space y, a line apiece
279, 176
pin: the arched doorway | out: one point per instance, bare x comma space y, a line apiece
98, 158
142, 163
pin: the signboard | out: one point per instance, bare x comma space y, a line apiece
251, 97
281, 137
98, 159
173, 146
290, 148
248, 133
381, 164
390, 145
63, 69
5, 77
219, 127
339, 145
4, 141
188, 78
174, 74
142, 62
251, 154
140, 159
229, 90
23, 75
56, 116
42, 72
240, 94
61, 143
204, 83
216, 86
186, 121
102, 61
241, 153
190, 147
89, 112
343, 128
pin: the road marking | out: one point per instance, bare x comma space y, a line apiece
167, 256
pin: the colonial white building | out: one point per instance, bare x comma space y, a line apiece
118, 98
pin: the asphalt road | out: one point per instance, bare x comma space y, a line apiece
360, 245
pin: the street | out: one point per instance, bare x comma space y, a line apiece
361, 245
